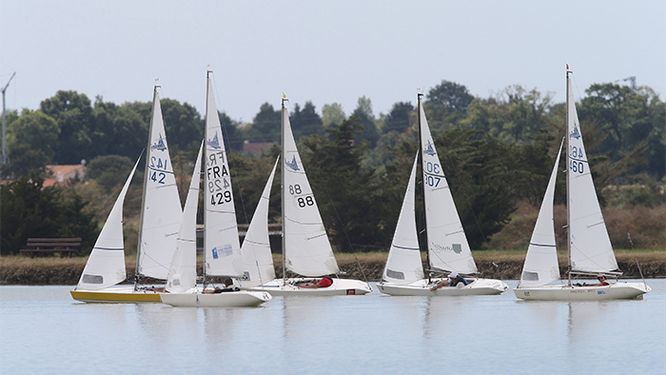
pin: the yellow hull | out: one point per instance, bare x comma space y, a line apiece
115, 297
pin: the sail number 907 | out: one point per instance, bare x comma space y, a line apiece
301, 201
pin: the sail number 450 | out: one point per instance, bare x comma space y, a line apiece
302, 201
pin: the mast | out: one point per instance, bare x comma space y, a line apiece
4, 121
419, 95
568, 153
137, 274
203, 273
282, 159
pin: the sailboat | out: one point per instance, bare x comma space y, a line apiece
181, 288
306, 250
588, 245
448, 250
160, 219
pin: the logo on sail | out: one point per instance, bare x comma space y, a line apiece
214, 143
575, 133
293, 165
456, 247
429, 150
159, 145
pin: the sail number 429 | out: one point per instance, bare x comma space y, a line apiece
302, 201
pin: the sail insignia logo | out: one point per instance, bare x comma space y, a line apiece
293, 165
575, 133
214, 143
159, 145
429, 150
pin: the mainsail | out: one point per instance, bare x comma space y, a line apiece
183, 270
161, 210
404, 260
106, 264
256, 249
591, 249
307, 250
447, 244
541, 266
221, 243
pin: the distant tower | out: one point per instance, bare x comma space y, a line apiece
4, 121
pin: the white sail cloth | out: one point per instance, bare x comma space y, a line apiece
448, 248
183, 270
161, 210
541, 265
221, 243
256, 248
591, 249
106, 265
307, 249
403, 265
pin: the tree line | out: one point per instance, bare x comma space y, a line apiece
496, 152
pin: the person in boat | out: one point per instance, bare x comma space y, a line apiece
455, 278
440, 284
602, 280
324, 282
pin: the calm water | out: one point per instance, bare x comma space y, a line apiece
41, 328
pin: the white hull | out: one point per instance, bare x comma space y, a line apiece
618, 290
340, 287
423, 288
225, 299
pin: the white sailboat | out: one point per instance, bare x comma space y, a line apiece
448, 250
181, 288
589, 247
160, 219
306, 250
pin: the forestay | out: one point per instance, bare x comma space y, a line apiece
106, 264
256, 248
591, 249
221, 243
404, 258
183, 270
161, 210
307, 250
541, 266
447, 244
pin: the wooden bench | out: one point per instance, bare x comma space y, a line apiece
50, 246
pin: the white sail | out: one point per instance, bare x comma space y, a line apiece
591, 249
106, 264
541, 266
447, 244
404, 259
257, 266
161, 210
221, 243
183, 270
307, 249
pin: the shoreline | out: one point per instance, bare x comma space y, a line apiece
496, 264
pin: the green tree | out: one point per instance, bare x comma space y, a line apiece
266, 125
109, 171
332, 115
398, 119
32, 141
363, 118
74, 115
447, 103
305, 121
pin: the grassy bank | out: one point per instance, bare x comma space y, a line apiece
501, 264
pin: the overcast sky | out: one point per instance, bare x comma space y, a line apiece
323, 51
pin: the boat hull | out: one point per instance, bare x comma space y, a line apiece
583, 293
340, 287
117, 295
225, 299
424, 288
